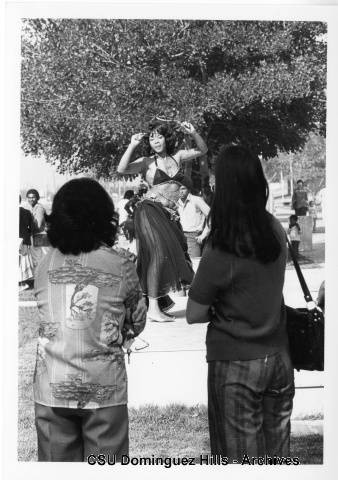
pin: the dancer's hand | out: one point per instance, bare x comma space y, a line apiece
188, 128
136, 139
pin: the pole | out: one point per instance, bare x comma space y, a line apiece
291, 175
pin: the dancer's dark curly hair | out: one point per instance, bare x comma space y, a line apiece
170, 132
82, 217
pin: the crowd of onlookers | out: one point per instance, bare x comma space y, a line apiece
193, 210
33, 243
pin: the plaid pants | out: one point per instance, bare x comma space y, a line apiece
249, 406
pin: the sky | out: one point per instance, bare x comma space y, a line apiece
35, 172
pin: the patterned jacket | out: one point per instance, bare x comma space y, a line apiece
87, 305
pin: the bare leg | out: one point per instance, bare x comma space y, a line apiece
154, 312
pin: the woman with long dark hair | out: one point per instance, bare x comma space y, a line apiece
90, 306
163, 263
238, 290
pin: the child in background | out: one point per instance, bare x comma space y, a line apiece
128, 226
313, 214
294, 233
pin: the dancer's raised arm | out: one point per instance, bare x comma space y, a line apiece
134, 167
200, 149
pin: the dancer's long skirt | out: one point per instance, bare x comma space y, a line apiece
163, 263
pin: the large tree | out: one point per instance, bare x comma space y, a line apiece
87, 85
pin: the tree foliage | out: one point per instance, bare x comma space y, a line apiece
87, 85
308, 164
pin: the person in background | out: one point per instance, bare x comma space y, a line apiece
90, 306
40, 241
238, 290
126, 235
299, 199
133, 201
320, 201
25, 259
193, 212
313, 214
128, 226
123, 215
294, 233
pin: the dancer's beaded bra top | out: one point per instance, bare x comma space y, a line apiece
161, 176
163, 187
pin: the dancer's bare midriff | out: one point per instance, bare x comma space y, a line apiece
167, 193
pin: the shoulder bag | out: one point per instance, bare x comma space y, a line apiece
305, 328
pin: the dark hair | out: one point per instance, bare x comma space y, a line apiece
82, 217
129, 194
142, 190
32, 191
240, 223
128, 229
168, 131
187, 183
295, 218
300, 181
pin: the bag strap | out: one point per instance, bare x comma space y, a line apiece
306, 291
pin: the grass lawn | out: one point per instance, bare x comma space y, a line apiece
174, 430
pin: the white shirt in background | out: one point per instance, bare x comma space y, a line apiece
123, 215
193, 212
294, 233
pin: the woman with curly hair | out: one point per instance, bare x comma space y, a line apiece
163, 261
90, 306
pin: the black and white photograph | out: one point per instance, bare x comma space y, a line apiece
172, 237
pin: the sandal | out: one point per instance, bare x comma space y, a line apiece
170, 315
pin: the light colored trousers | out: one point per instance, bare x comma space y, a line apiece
194, 248
37, 255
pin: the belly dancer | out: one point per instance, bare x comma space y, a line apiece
163, 262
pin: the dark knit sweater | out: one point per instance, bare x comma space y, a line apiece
246, 296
